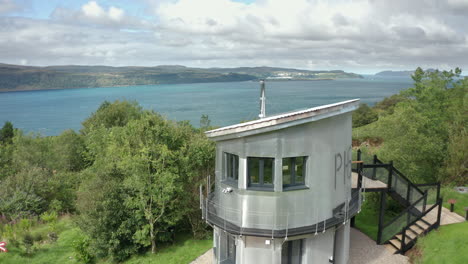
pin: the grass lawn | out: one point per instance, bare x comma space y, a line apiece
184, 250
462, 199
59, 252
448, 245
367, 221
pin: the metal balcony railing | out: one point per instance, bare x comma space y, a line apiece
273, 224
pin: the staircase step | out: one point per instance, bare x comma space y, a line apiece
396, 243
429, 219
422, 224
409, 236
391, 248
418, 230
410, 232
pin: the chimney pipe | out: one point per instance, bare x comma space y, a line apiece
262, 99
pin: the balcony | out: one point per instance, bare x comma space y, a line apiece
273, 224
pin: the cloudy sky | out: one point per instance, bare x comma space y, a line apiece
354, 35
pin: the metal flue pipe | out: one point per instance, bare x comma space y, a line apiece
262, 99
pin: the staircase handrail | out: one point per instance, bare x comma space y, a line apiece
436, 184
412, 206
404, 245
407, 212
400, 174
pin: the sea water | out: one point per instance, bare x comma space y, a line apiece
49, 112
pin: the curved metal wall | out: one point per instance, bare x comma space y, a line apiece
326, 143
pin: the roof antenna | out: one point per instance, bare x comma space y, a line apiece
262, 99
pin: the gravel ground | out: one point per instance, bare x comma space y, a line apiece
206, 258
363, 250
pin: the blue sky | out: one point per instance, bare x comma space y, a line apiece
354, 35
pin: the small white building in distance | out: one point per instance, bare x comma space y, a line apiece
282, 191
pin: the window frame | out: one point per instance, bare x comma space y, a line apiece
261, 186
292, 162
230, 167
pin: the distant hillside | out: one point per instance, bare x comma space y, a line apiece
286, 73
17, 78
394, 73
399, 73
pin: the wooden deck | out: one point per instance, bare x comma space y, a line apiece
368, 183
446, 217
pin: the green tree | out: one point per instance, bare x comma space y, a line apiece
104, 216
387, 105
116, 114
7, 132
364, 115
429, 124
148, 165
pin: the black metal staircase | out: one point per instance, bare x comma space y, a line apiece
422, 204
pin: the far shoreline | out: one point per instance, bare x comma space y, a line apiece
124, 85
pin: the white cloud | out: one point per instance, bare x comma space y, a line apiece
7, 6
92, 9
316, 34
93, 14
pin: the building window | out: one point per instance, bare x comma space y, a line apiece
231, 167
260, 172
294, 171
291, 252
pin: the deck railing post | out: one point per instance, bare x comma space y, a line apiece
425, 201
408, 193
359, 170
390, 172
383, 201
408, 215
403, 244
374, 170
439, 212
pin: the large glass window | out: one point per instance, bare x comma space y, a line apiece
291, 252
231, 166
260, 172
294, 171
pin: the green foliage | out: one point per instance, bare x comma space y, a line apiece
387, 105
28, 242
6, 160
116, 114
24, 224
40, 172
132, 175
205, 122
6, 133
183, 250
147, 163
104, 216
364, 115
51, 219
82, 250
423, 129
60, 251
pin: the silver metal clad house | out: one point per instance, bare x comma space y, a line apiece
283, 188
